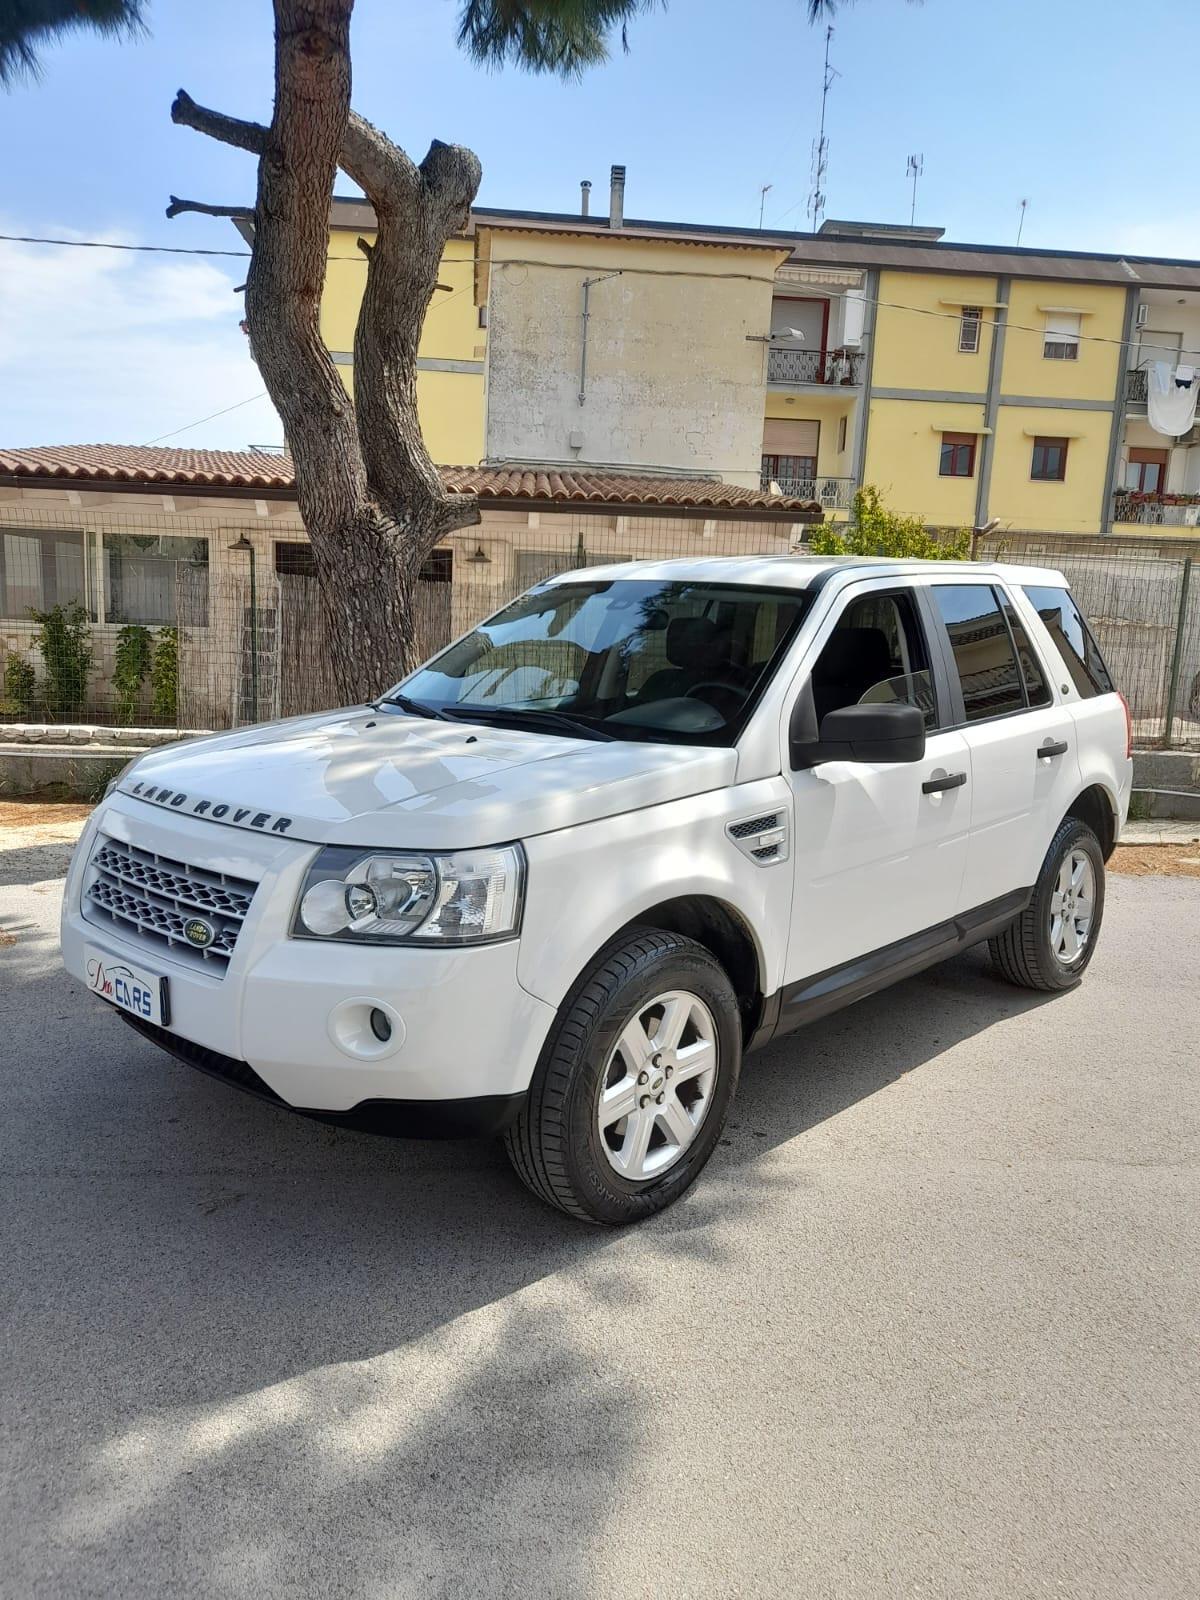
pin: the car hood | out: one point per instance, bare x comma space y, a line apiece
379, 778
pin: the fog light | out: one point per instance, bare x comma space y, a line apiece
381, 1025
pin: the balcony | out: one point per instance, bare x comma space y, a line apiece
832, 368
1135, 387
1156, 510
832, 494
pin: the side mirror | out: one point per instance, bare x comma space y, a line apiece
888, 732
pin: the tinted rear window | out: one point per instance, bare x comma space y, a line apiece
1073, 638
991, 680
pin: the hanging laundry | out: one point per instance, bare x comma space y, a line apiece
1185, 376
1169, 409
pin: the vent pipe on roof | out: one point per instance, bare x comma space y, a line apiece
585, 195
616, 198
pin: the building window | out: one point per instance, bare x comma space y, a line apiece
958, 455
438, 567
155, 579
1061, 342
294, 560
39, 570
841, 444
1146, 472
969, 325
1049, 460
785, 470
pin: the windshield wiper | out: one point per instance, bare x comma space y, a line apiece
415, 708
519, 716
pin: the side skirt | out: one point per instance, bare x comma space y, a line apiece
817, 996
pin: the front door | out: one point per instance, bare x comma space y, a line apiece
879, 846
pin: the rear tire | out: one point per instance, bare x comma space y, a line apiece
634, 1083
1051, 943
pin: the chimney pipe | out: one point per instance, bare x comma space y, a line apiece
616, 198
585, 195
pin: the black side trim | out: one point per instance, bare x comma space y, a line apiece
480, 1117
825, 992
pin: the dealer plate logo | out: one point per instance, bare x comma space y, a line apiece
198, 933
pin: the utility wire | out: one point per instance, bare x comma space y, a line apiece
188, 426
654, 272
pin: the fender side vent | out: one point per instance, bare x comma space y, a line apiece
764, 839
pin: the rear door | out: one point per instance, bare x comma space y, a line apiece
1022, 739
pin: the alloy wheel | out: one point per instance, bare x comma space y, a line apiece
1072, 907
657, 1085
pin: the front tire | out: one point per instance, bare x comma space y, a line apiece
634, 1084
1050, 944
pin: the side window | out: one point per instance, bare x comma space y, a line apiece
1073, 639
1037, 690
877, 655
983, 649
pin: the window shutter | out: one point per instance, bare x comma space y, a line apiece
785, 436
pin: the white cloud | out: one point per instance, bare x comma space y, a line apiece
118, 347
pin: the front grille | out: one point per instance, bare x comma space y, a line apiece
151, 897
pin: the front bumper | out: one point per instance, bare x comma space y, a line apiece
465, 1030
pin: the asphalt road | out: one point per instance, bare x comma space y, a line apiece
927, 1326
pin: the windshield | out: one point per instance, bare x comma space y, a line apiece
628, 659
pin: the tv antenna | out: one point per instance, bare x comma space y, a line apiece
762, 201
820, 149
1024, 205
914, 169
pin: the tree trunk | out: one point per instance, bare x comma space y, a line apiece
372, 501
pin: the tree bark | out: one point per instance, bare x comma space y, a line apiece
371, 499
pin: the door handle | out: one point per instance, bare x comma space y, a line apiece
952, 780
1057, 747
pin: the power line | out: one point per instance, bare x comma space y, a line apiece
188, 426
512, 261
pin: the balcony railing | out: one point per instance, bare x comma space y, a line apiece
1135, 387
814, 366
833, 494
1156, 510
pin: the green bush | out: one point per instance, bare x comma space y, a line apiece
20, 686
65, 642
164, 679
873, 530
134, 652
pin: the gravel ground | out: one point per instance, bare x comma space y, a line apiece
926, 1327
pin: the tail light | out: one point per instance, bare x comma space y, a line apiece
1128, 725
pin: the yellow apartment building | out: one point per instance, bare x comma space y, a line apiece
972, 384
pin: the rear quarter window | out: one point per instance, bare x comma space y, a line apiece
1072, 638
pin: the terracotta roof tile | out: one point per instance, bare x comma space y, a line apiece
257, 469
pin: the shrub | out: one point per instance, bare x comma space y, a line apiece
20, 686
133, 657
873, 530
65, 642
164, 679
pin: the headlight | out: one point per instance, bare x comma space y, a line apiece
397, 897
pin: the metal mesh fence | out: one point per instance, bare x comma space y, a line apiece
210, 618
204, 620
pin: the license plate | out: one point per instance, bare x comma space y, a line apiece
143, 994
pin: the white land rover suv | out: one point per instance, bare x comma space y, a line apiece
649, 816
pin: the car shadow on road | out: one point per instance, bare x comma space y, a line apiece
213, 1292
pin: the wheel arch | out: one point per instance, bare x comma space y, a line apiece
1098, 808
724, 932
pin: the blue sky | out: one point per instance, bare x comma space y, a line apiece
1037, 98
